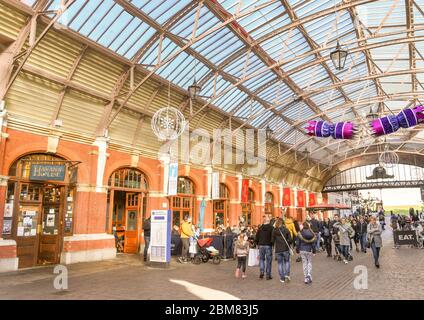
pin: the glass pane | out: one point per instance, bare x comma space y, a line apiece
131, 220
69, 213
176, 218
50, 221
27, 221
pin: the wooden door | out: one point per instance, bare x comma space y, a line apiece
51, 225
132, 222
27, 223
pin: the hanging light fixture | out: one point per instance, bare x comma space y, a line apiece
338, 57
269, 132
195, 88
388, 158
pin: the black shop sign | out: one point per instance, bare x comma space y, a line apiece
54, 172
405, 237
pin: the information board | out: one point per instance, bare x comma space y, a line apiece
160, 236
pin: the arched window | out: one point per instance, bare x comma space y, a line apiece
221, 207
128, 178
184, 202
269, 203
248, 208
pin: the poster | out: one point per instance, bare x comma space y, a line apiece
215, 185
8, 210
27, 222
173, 179
7, 227
33, 232
50, 220
20, 232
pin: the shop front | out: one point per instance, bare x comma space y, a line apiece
39, 207
126, 208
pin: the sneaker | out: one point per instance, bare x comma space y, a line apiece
345, 261
261, 276
377, 265
268, 277
180, 260
243, 276
287, 278
281, 280
306, 281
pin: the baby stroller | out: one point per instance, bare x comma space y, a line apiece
206, 251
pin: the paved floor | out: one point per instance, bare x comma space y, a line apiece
401, 276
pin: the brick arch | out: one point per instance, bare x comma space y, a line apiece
231, 190
144, 168
65, 153
256, 191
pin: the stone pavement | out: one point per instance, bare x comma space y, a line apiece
401, 276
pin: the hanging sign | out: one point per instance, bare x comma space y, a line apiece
160, 241
215, 185
43, 172
286, 197
173, 179
245, 191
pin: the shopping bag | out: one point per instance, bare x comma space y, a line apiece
192, 249
253, 258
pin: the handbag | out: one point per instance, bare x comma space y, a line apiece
192, 249
290, 249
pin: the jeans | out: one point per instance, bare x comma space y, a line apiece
344, 251
363, 241
186, 245
241, 263
327, 245
265, 253
318, 240
283, 264
307, 264
375, 252
146, 245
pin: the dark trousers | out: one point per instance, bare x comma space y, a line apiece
186, 245
146, 245
327, 245
241, 263
363, 241
375, 252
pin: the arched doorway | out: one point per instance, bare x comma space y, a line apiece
221, 207
269, 203
126, 207
40, 207
248, 208
184, 202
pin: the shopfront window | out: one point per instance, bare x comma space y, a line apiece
248, 208
184, 202
221, 207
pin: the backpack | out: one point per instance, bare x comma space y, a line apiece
326, 232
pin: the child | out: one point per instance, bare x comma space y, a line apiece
241, 249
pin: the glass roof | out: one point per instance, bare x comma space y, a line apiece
286, 77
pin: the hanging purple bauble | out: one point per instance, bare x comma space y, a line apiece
323, 129
407, 118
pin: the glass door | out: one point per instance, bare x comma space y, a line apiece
132, 212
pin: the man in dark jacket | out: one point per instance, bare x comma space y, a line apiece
146, 232
281, 238
305, 246
361, 230
264, 242
316, 228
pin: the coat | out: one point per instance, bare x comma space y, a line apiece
278, 241
374, 234
345, 233
290, 226
306, 241
241, 248
186, 230
264, 235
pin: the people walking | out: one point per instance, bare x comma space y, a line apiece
305, 246
326, 235
361, 229
316, 228
345, 233
186, 233
264, 242
374, 239
146, 235
282, 240
241, 250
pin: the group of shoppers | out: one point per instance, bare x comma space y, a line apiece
283, 239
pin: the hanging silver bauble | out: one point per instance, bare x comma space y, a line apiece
388, 158
168, 123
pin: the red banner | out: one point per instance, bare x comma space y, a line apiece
286, 197
300, 198
312, 199
245, 191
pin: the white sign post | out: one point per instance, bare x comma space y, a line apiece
173, 179
160, 237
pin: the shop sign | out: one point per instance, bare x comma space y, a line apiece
405, 237
54, 172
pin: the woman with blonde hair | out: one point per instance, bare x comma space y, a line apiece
374, 239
